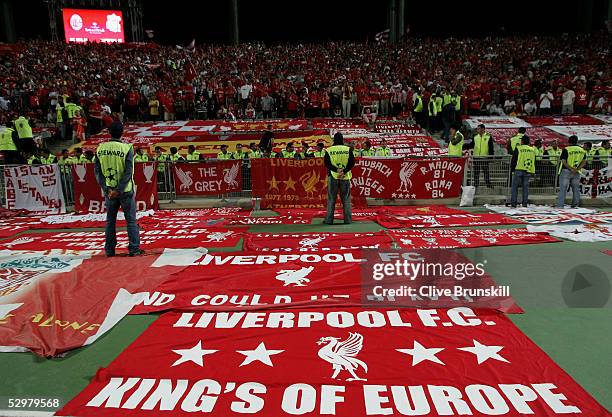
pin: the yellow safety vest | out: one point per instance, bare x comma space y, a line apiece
161, 166
255, 154
553, 155
590, 155
368, 152
456, 150
515, 140
418, 104
240, 155
339, 157
481, 144
287, 154
222, 155
141, 158
383, 151
539, 152
457, 102
112, 156
438, 104
432, 109
195, 156
22, 126
526, 159
319, 154
48, 161
575, 155
6, 140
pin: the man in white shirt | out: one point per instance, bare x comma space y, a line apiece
546, 100
567, 101
530, 108
245, 93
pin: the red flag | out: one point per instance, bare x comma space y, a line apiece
210, 178
289, 242
342, 362
391, 221
55, 301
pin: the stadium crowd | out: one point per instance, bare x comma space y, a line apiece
50, 82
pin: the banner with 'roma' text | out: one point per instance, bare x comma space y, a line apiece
408, 178
345, 362
89, 198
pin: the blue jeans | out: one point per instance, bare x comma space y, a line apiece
127, 201
566, 179
520, 178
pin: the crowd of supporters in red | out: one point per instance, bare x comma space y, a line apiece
510, 75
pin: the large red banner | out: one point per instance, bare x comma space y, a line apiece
407, 179
155, 238
89, 198
54, 301
391, 221
212, 178
88, 25
313, 242
290, 183
316, 277
565, 120
547, 136
466, 238
341, 362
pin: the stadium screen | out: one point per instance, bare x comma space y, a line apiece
86, 25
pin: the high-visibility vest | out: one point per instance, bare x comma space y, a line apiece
457, 102
539, 152
255, 154
515, 140
112, 157
161, 159
80, 160
195, 156
456, 150
418, 104
526, 159
339, 157
31, 160
575, 155
438, 104
383, 151
603, 154
287, 154
368, 152
174, 158
432, 109
71, 109
590, 155
141, 158
6, 140
22, 126
222, 155
59, 117
553, 155
319, 154
447, 99
481, 144
48, 161
64, 164
240, 155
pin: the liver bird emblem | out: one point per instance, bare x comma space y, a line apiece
184, 178
295, 277
230, 175
405, 173
309, 181
342, 355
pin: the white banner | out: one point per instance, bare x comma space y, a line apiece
607, 118
593, 133
596, 183
36, 188
578, 232
495, 122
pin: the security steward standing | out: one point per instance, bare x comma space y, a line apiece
7, 146
24, 133
455, 145
482, 145
573, 159
114, 168
339, 160
523, 164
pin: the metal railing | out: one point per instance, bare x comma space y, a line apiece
492, 175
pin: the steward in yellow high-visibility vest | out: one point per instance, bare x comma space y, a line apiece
603, 155
573, 159
141, 156
515, 140
383, 150
482, 145
47, 158
224, 154
114, 169
523, 165
339, 160
320, 151
24, 134
239, 153
590, 154
7, 146
553, 152
161, 159
288, 152
455, 145
254, 152
192, 154
367, 150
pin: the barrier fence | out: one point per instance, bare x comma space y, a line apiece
490, 175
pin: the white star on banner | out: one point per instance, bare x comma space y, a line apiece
413, 195
195, 354
420, 353
484, 352
260, 354
393, 195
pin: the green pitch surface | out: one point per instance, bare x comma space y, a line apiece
578, 339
